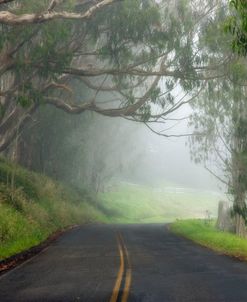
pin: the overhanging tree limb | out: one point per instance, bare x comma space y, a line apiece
9, 18
171, 135
93, 72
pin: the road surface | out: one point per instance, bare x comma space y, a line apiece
107, 263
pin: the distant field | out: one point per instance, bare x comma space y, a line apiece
130, 203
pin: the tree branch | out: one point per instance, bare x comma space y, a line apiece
93, 72
9, 18
171, 135
216, 176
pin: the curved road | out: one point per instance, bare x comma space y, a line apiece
103, 263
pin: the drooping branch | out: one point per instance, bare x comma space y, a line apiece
9, 18
87, 106
90, 105
218, 177
70, 108
171, 135
93, 72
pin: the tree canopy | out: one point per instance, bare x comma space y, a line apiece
138, 50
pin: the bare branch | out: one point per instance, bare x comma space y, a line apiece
11, 19
70, 108
52, 5
172, 135
94, 72
60, 86
218, 177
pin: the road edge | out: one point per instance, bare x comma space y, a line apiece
17, 259
238, 258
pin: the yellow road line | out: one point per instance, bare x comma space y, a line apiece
128, 277
126, 290
119, 275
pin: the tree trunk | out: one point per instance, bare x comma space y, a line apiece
238, 163
239, 200
240, 226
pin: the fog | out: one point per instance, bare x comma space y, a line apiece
111, 150
109, 104
133, 153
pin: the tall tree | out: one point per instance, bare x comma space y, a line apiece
134, 49
220, 116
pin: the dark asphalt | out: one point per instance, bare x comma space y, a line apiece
83, 264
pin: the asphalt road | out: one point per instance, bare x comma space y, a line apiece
103, 263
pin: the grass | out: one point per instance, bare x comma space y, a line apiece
166, 203
207, 235
35, 207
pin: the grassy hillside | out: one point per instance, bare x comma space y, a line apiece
136, 203
33, 206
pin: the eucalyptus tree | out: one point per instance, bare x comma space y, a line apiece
220, 115
221, 118
140, 51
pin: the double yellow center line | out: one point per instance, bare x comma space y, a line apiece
122, 286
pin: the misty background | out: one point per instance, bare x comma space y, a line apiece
97, 151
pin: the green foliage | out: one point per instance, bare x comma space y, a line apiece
220, 112
237, 26
145, 112
238, 72
154, 94
135, 23
29, 95
24, 101
23, 179
130, 33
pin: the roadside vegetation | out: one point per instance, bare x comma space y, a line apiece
205, 233
33, 206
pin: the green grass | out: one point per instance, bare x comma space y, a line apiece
35, 207
166, 203
207, 235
